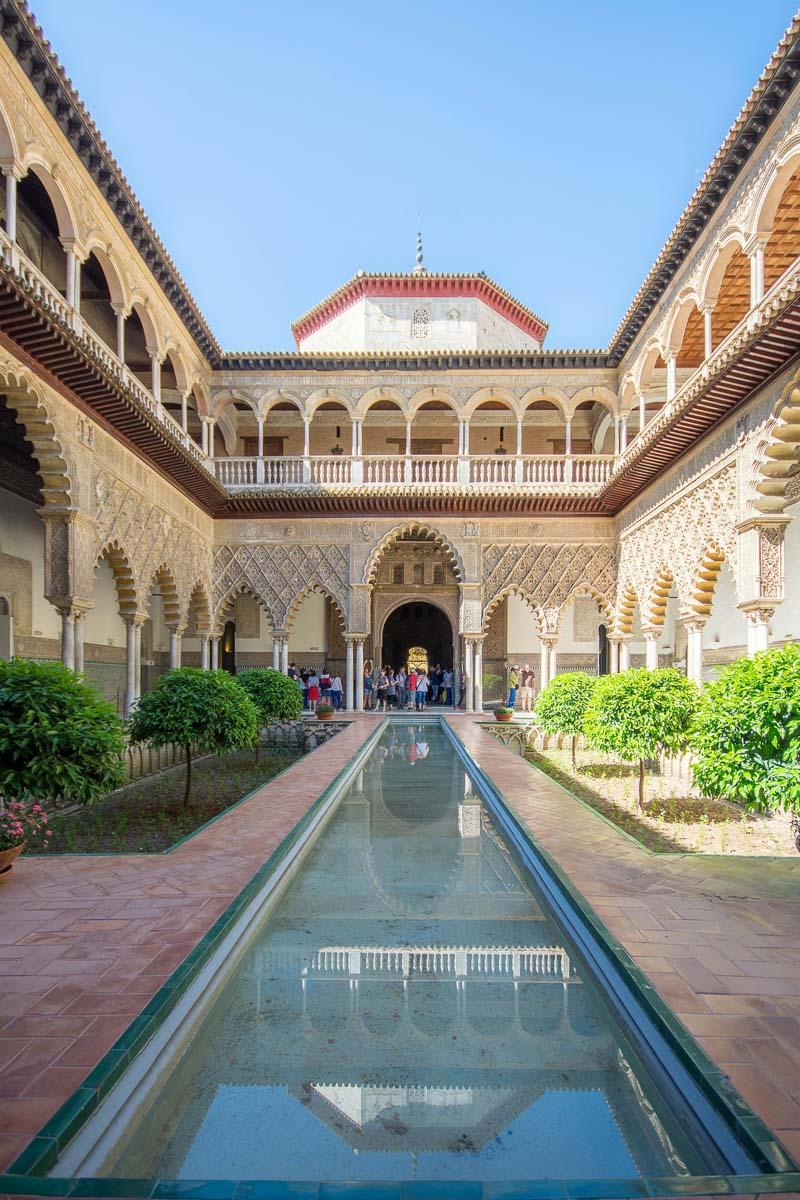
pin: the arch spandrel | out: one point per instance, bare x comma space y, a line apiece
548, 574
272, 572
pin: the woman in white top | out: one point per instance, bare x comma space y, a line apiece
422, 691
336, 692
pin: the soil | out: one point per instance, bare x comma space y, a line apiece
149, 815
672, 820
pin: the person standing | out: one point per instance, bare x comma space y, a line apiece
336, 692
313, 690
401, 689
526, 681
391, 687
422, 691
513, 684
447, 687
369, 690
325, 685
383, 684
411, 684
433, 684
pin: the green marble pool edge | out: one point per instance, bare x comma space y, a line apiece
26, 1175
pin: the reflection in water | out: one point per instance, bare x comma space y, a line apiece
410, 1011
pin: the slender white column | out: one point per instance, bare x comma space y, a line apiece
613, 664
11, 205
155, 367
568, 436
79, 627
544, 665
477, 670
276, 653
671, 361
519, 437
359, 675
708, 332
130, 665
624, 655
349, 682
552, 666
616, 435
642, 411
694, 652
623, 424
757, 274
137, 642
306, 435
184, 411
120, 315
204, 658
285, 655
174, 649
468, 671
70, 288
757, 631
211, 426
214, 653
651, 649
408, 438
68, 637
260, 447
204, 434
76, 287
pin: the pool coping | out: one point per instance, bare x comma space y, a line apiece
27, 1176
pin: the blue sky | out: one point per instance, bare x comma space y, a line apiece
279, 148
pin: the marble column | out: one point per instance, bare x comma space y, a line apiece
215, 653
651, 648
68, 637
708, 334
276, 652
469, 698
359, 674
694, 651
137, 642
624, 654
477, 671
349, 685
613, 657
174, 649
79, 629
204, 651
11, 205
120, 315
552, 666
130, 665
544, 664
757, 631
70, 288
285, 655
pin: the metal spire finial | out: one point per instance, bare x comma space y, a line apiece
419, 269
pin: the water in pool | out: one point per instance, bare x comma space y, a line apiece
410, 1010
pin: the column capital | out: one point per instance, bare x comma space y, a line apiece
355, 637
652, 632
12, 171
758, 612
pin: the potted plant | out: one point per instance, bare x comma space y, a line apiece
502, 713
17, 824
325, 712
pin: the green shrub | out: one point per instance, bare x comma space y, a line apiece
561, 706
747, 732
58, 737
192, 707
637, 713
276, 696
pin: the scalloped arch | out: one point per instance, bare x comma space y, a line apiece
314, 585
429, 532
124, 580
34, 414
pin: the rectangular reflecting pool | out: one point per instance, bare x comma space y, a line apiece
411, 1009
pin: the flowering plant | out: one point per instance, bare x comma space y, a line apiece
18, 823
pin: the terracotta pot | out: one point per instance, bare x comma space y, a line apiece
7, 857
498, 716
324, 716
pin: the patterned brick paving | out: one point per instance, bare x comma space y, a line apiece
719, 937
85, 940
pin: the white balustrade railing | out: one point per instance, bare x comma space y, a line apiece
331, 469
458, 962
492, 468
442, 469
388, 469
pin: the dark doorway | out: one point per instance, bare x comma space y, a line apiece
228, 648
602, 651
417, 626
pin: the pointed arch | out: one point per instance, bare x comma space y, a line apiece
314, 585
124, 580
227, 599
414, 527
198, 605
34, 414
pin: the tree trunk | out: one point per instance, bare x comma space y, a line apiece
641, 783
574, 743
188, 776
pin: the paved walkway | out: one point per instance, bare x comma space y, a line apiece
86, 940
719, 937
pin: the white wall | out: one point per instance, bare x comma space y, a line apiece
308, 632
725, 625
22, 536
103, 624
786, 622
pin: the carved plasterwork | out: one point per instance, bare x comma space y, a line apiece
675, 541
279, 574
549, 575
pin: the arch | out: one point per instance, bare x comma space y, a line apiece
314, 585
165, 579
552, 395
327, 396
271, 398
223, 400
429, 394
658, 597
587, 591
240, 589
704, 581
151, 338
776, 453
375, 396
113, 277
202, 396
768, 196
731, 241
643, 371
67, 225
416, 527
199, 603
678, 319
597, 394
491, 395
178, 366
626, 606
58, 474
124, 580
499, 597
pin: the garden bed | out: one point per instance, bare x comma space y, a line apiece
149, 815
673, 820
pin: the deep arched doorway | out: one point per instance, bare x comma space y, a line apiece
421, 627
